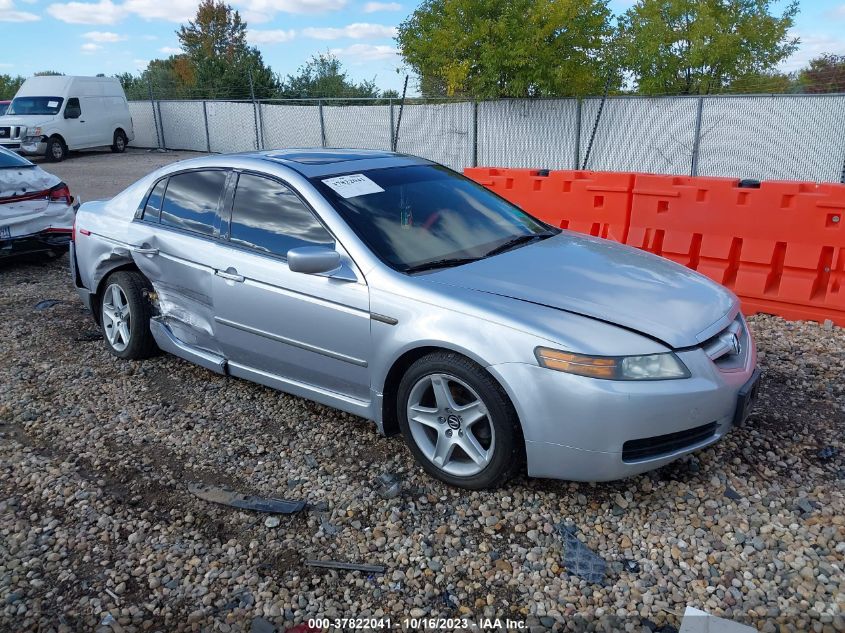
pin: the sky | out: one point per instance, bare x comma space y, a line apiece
86, 37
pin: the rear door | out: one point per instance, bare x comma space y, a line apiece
311, 329
178, 251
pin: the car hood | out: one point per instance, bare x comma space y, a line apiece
30, 120
607, 281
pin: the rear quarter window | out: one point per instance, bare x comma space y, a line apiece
152, 210
192, 199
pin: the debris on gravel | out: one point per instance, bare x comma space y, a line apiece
97, 524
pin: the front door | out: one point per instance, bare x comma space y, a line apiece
310, 329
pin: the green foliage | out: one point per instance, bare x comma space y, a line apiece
323, 76
824, 74
49, 73
508, 48
702, 46
9, 86
221, 62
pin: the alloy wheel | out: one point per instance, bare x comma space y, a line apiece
116, 317
451, 425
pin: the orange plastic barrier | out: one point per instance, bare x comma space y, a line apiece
592, 202
779, 246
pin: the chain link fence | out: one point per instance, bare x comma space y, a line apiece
785, 137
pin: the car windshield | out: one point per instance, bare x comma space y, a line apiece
35, 105
3, 108
11, 160
426, 216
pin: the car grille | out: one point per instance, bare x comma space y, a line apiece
8, 132
5, 132
648, 447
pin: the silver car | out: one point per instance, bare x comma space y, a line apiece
393, 288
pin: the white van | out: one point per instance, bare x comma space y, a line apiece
53, 114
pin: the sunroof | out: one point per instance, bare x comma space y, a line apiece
327, 157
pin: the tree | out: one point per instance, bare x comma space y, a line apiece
9, 86
323, 76
824, 74
508, 48
218, 62
702, 46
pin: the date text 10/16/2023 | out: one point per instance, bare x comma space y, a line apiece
431, 624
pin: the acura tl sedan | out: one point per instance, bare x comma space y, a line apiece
392, 288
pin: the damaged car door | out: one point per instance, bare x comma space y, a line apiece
177, 232
284, 328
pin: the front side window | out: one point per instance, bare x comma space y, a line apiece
23, 106
426, 216
191, 200
269, 217
73, 110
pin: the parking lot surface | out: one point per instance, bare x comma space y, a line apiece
99, 530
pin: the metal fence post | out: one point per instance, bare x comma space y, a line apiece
161, 121
842, 179
261, 124
579, 103
322, 123
696, 143
254, 110
153, 107
390, 103
474, 133
205, 120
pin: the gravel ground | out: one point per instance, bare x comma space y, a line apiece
96, 455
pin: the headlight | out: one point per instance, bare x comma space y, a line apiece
649, 367
33, 131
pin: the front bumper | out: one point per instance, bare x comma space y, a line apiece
576, 428
47, 240
33, 147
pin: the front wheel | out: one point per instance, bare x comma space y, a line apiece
56, 150
125, 315
458, 422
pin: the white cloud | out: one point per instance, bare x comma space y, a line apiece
170, 50
90, 47
263, 10
8, 13
6, 65
102, 12
810, 47
103, 36
168, 10
272, 36
358, 31
366, 52
141, 64
838, 12
372, 7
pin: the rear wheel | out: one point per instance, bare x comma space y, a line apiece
56, 149
119, 143
458, 422
125, 315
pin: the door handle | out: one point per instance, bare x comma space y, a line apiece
145, 251
229, 276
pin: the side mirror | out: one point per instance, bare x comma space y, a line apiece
313, 260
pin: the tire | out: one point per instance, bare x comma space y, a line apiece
128, 303
119, 142
483, 414
56, 149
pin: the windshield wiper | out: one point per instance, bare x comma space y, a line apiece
441, 263
517, 241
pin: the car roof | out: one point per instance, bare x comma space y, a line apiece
328, 161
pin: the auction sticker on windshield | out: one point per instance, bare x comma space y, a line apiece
353, 185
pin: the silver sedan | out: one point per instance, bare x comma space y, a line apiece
395, 289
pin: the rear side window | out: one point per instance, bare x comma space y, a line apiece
269, 217
152, 210
191, 201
